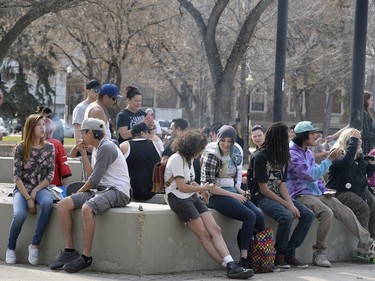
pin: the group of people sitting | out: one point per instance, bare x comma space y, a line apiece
283, 178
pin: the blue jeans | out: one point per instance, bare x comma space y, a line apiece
285, 219
248, 213
45, 200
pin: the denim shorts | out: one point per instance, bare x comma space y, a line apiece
100, 201
187, 209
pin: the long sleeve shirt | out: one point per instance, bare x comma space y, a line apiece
304, 176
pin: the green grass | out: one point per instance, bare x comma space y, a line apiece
14, 139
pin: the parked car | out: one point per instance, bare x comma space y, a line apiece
164, 125
68, 131
4, 131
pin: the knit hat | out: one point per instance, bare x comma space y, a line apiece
227, 131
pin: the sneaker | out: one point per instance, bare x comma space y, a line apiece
280, 262
371, 250
275, 268
10, 257
245, 262
77, 265
234, 271
296, 263
33, 255
64, 258
320, 259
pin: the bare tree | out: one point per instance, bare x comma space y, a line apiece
223, 75
34, 11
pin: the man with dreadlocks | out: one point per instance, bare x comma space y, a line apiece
269, 192
305, 184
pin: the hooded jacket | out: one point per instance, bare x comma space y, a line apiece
347, 174
304, 176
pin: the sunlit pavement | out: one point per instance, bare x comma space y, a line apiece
342, 271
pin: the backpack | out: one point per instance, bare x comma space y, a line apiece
158, 184
263, 251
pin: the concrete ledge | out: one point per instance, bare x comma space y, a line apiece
151, 241
6, 170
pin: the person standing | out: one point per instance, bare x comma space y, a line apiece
305, 184
219, 167
108, 186
132, 114
269, 192
183, 200
92, 89
368, 126
108, 95
33, 170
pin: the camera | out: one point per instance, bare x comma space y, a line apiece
369, 157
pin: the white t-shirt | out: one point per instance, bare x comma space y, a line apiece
179, 168
79, 112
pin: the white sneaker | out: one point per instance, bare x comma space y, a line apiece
10, 257
320, 258
33, 255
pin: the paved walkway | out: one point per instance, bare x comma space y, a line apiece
338, 272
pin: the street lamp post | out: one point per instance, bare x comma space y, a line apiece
69, 71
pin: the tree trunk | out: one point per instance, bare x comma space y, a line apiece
37, 10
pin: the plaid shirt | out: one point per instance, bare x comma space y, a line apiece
211, 168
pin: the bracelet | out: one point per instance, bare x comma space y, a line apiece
28, 199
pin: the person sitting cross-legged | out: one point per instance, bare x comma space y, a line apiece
108, 186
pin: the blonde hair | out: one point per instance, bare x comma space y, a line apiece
29, 134
342, 142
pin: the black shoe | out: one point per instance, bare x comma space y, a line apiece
64, 258
234, 271
245, 263
77, 265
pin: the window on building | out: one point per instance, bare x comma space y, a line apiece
337, 105
257, 101
298, 105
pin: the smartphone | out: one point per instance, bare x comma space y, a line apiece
330, 191
369, 157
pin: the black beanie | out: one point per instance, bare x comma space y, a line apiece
227, 131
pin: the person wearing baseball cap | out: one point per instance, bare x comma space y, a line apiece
107, 187
107, 97
305, 184
79, 111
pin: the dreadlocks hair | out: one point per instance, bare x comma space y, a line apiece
300, 138
277, 145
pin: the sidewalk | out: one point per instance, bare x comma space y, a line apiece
341, 271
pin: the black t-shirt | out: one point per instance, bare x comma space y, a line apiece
127, 118
260, 171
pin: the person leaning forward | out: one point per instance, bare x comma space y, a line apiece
108, 186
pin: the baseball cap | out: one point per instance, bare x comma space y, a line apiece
93, 124
93, 84
109, 90
304, 126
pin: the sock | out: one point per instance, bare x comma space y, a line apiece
226, 260
86, 258
69, 250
